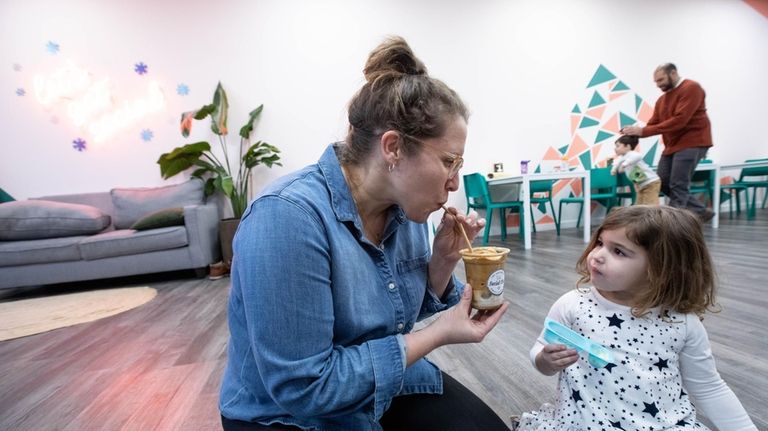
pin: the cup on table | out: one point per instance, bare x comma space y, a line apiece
524, 166
484, 267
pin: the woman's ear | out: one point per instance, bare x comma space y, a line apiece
391, 147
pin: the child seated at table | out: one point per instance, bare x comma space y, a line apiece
647, 184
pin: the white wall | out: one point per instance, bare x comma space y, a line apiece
521, 65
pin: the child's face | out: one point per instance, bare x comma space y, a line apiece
622, 149
618, 267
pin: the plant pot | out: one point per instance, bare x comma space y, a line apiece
227, 229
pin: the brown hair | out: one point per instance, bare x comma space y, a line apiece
681, 277
632, 141
398, 95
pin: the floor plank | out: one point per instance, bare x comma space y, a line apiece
157, 367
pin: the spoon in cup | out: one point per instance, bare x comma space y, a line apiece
461, 228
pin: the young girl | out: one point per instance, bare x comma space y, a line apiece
652, 279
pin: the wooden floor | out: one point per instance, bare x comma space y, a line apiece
157, 367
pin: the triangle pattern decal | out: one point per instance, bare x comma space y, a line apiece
626, 120
601, 75
588, 122
602, 136
621, 86
597, 100
576, 109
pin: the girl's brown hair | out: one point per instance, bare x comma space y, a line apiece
398, 95
680, 273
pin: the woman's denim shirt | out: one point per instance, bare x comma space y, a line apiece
317, 313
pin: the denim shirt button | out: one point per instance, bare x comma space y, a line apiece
391, 286
400, 326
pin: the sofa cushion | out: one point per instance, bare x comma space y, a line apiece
162, 218
128, 241
37, 219
32, 251
133, 203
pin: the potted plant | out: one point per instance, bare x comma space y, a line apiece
217, 171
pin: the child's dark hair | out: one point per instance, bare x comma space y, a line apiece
628, 140
681, 277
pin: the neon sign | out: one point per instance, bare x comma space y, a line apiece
91, 105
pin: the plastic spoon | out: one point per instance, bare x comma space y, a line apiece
556, 332
461, 227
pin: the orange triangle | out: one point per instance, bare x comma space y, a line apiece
614, 96
645, 112
612, 125
551, 154
576, 186
596, 112
574, 162
559, 185
575, 120
513, 220
546, 219
577, 147
596, 150
612, 84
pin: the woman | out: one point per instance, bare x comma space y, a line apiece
332, 269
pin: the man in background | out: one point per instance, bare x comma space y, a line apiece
680, 117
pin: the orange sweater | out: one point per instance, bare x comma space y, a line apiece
680, 116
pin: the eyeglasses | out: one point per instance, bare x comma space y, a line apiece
453, 162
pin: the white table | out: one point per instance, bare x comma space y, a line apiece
525, 181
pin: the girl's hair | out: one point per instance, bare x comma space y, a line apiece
400, 96
680, 273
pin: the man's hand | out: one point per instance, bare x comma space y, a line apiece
632, 130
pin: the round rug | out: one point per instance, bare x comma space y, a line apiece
25, 317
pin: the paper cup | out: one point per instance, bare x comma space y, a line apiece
485, 272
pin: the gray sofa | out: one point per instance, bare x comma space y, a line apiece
64, 238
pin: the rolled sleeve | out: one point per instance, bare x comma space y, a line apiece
388, 359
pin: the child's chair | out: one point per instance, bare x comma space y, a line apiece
479, 197
603, 187
541, 193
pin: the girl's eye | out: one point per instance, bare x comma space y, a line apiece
599, 243
619, 252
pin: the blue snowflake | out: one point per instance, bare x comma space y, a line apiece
52, 47
79, 144
140, 68
17, 67
182, 89
20, 92
147, 135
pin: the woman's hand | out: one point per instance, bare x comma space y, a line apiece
454, 326
449, 239
554, 358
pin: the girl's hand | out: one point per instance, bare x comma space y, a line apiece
554, 358
449, 239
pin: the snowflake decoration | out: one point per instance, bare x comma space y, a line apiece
147, 135
140, 68
79, 144
182, 89
52, 47
20, 92
17, 67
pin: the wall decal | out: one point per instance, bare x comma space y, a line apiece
20, 92
182, 89
52, 47
147, 135
17, 67
79, 144
140, 68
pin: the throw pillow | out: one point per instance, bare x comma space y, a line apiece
36, 219
132, 204
162, 218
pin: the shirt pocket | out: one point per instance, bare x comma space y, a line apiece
412, 274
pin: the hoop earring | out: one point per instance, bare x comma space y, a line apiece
391, 168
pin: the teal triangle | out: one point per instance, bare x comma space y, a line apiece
638, 102
586, 159
538, 170
597, 99
601, 75
563, 149
651, 154
576, 109
542, 207
625, 120
587, 122
621, 86
602, 136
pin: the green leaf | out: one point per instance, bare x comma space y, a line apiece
181, 158
219, 115
261, 153
246, 130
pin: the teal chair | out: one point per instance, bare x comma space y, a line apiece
744, 183
603, 188
624, 189
541, 193
479, 197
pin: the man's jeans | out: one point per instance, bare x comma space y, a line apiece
675, 171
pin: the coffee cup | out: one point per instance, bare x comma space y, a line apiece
484, 267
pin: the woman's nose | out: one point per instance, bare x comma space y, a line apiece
453, 183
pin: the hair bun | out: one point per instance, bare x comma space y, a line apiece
392, 58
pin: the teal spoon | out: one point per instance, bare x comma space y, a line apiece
557, 333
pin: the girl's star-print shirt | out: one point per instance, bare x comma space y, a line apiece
660, 368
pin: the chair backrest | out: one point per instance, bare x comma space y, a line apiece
476, 190
754, 172
601, 178
542, 186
